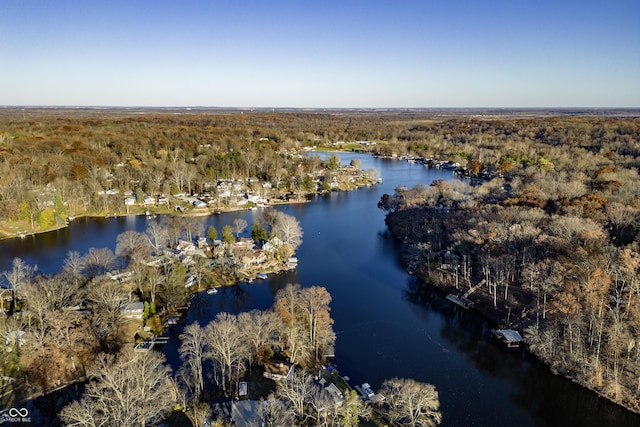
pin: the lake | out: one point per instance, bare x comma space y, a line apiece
387, 324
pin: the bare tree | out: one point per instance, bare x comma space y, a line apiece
37, 304
192, 353
108, 297
132, 245
73, 265
18, 275
152, 282
83, 413
239, 225
157, 236
70, 331
227, 348
320, 407
134, 389
193, 227
287, 228
314, 305
292, 332
173, 227
411, 403
259, 329
306, 329
98, 261
63, 291
178, 173
275, 413
294, 393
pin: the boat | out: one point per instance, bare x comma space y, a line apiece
248, 280
367, 393
261, 276
366, 389
212, 291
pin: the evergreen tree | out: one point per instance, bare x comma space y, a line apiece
258, 232
212, 233
227, 234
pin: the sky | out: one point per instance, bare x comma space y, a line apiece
320, 54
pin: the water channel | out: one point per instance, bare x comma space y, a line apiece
387, 325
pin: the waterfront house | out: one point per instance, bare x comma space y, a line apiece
278, 369
255, 258
132, 310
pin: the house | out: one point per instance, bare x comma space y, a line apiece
334, 392
129, 201
199, 204
132, 310
278, 370
149, 201
201, 242
256, 258
272, 245
120, 276
244, 243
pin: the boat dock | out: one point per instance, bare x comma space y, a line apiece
148, 344
510, 337
461, 301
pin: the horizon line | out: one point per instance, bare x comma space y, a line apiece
244, 108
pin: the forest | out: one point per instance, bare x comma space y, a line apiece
549, 246
55, 168
543, 225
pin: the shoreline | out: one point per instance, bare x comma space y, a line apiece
4, 235
482, 306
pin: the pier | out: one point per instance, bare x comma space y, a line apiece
510, 337
147, 345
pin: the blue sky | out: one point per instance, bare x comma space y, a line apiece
349, 53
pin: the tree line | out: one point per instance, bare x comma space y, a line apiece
53, 167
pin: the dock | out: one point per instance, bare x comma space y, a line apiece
461, 301
510, 337
148, 344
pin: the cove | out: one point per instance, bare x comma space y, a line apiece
386, 323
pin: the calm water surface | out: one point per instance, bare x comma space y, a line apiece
386, 324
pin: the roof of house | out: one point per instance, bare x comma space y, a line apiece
132, 306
